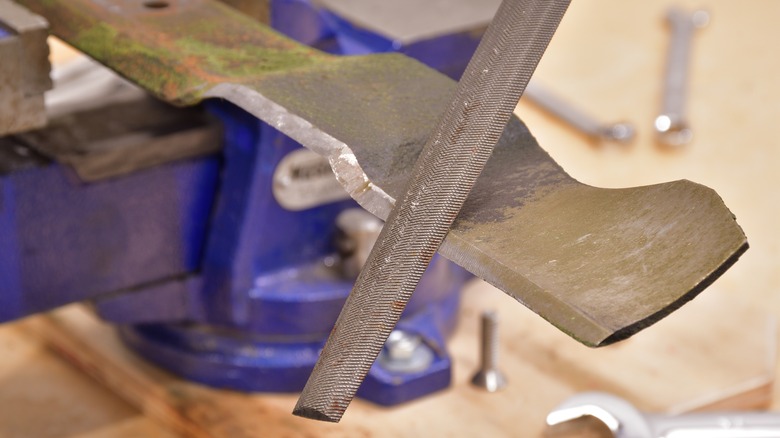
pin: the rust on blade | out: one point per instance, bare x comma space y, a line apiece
600, 264
178, 51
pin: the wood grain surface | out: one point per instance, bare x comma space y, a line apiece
717, 351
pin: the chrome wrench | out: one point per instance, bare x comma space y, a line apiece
621, 132
625, 421
671, 125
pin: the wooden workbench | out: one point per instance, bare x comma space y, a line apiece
65, 375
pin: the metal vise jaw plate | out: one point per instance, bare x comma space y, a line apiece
600, 264
24, 68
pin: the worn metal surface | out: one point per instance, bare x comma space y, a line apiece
143, 133
24, 69
599, 264
260, 10
16, 155
452, 159
393, 20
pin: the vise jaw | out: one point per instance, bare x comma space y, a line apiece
24, 69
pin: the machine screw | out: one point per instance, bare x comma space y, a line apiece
489, 377
405, 352
671, 126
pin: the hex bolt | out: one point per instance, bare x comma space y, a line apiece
405, 352
671, 125
489, 377
620, 132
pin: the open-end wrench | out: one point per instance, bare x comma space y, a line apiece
671, 125
621, 132
625, 421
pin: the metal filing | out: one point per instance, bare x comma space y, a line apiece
672, 125
452, 159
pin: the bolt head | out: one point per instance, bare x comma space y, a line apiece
672, 131
489, 380
401, 345
620, 132
405, 352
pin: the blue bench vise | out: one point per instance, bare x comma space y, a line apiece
224, 263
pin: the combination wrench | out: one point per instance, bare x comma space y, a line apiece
671, 125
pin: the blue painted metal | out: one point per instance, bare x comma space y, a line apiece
62, 240
234, 359
225, 358
434, 325
260, 309
448, 54
265, 301
257, 246
211, 277
174, 300
264, 269
309, 23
